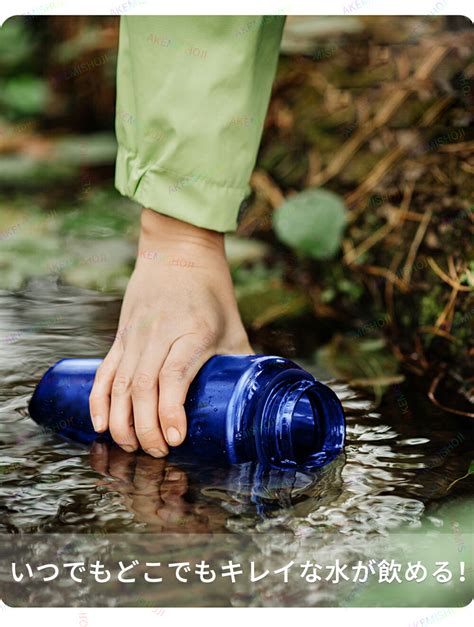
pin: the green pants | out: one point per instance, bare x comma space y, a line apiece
192, 94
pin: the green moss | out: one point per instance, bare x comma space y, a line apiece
430, 306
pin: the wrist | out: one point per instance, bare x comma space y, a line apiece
169, 233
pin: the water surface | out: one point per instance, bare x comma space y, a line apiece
392, 479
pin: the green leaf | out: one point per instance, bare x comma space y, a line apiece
25, 95
312, 223
17, 45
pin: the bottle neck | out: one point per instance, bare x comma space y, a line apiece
302, 424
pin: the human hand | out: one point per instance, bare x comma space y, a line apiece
155, 491
179, 310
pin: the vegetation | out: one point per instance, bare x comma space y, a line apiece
357, 242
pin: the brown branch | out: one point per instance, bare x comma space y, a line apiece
411, 215
433, 112
459, 147
343, 156
367, 244
448, 309
388, 274
419, 235
378, 171
390, 291
433, 399
400, 214
447, 279
262, 182
387, 110
437, 331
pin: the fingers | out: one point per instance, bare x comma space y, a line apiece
121, 417
149, 474
174, 486
99, 457
145, 403
99, 399
159, 489
181, 365
140, 396
111, 461
121, 466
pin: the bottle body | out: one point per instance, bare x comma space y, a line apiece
239, 408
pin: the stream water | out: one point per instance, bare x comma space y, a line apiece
59, 497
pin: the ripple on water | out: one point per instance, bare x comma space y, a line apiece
46, 484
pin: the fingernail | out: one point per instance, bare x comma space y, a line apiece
98, 422
174, 475
173, 436
128, 447
156, 452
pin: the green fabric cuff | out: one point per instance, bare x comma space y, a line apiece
192, 93
193, 198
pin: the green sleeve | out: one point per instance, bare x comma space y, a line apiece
192, 94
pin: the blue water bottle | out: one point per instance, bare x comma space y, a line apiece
240, 408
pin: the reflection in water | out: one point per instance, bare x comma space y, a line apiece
172, 496
393, 468
155, 491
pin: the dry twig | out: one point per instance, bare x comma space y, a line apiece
434, 400
446, 278
419, 235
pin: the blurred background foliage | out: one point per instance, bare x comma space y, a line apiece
357, 241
